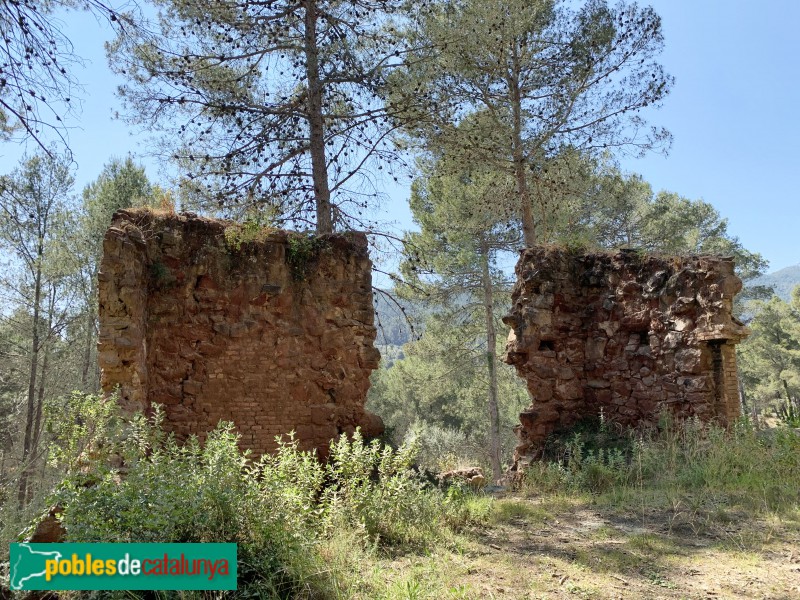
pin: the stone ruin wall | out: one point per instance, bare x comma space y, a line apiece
626, 334
224, 329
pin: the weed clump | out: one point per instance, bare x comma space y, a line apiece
301, 252
248, 232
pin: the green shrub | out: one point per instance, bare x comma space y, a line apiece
374, 489
589, 437
592, 457
283, 511
80, 427
208, 493
77, 428
301, 252
440, 448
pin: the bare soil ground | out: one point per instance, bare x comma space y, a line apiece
566, 548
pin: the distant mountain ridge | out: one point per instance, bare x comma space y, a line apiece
783, 281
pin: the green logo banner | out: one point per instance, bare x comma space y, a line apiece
123, 567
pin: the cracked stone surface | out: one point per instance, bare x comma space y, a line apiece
627, 334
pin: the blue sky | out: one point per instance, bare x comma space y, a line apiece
733, 113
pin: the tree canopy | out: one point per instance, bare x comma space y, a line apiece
622, 210
770, 358
275, 104
546, 77
37, 83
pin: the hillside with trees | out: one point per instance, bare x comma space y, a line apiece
782, 282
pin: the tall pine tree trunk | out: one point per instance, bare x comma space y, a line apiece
45, 351
89, 334
491, 362
319, 168
37, 423
28, 443
518, 150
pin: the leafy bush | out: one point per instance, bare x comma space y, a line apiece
374, 489
441, 448
283, 511
79, 427
194, 493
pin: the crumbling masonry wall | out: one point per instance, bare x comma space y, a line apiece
270, 331
626, 334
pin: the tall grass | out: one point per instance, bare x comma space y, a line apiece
702, 465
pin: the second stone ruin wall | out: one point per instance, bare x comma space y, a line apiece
626, 334
271, 331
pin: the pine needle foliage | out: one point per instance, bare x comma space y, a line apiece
275, 104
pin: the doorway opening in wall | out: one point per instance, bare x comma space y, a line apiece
718, 372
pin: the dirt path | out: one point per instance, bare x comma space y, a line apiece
566, 549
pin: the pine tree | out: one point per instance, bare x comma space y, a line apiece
770, 357
121, 184
276, 104
548, 79
33, 204
452, 263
